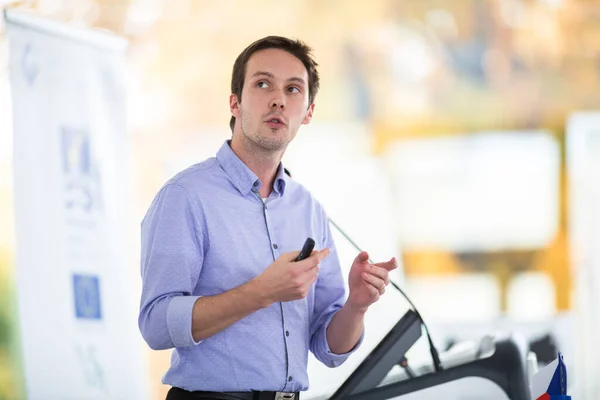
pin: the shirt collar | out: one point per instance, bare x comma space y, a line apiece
281, 180
242, 177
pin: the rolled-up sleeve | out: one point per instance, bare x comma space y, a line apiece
321, 350
171, 261
330, 296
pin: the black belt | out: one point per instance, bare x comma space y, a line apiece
176, 393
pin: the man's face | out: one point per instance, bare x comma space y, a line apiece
274, 99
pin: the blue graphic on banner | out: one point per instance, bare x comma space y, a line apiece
87, 297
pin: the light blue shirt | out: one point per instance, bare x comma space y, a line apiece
208, 231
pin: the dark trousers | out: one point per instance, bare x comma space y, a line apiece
176, 393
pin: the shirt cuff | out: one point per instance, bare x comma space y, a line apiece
179, 320
334, 359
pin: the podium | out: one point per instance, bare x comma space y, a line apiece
503, 363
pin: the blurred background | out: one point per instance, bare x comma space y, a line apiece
439, 136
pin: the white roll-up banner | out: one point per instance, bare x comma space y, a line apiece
77, 301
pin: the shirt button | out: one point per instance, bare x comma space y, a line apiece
275, 246
287, 333
290, 379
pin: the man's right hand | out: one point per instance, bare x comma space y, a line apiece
286, 280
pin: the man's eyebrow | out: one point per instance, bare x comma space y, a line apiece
270, 75
263, 73
296, 79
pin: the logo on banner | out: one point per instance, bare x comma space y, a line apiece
87, 297
82, 188
91, 367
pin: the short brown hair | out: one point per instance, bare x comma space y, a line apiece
295, 47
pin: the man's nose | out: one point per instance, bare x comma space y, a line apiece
278, 102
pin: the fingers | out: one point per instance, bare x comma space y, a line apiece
377, 283
388, 265
320, 255
315, 259
379, 272
362, 256
375, 293
309, 263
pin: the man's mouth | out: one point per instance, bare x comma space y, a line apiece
275, 122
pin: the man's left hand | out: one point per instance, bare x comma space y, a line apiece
367, 282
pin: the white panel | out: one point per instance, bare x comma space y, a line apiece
477, 192
583, 165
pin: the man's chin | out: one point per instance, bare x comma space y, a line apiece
274, 143
273, 146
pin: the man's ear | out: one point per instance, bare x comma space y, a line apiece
309, 114
234, 106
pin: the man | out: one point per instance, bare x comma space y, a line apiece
219, 282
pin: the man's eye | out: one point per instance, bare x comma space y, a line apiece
262, 84
293, 89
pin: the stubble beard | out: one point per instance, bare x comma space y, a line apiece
268, 141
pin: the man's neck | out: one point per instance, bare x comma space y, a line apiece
263, 163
